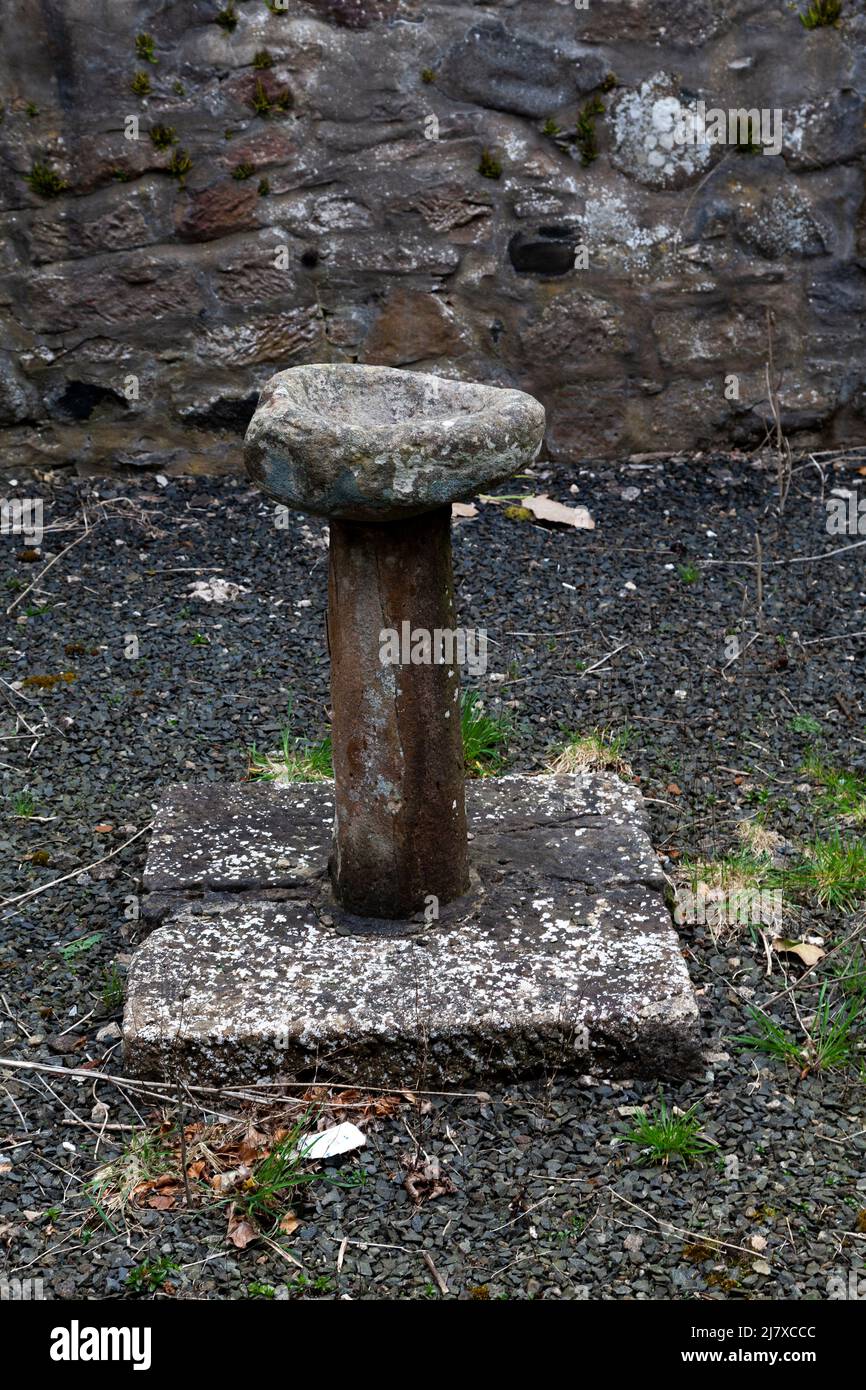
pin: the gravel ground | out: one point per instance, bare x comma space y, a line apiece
541, 1198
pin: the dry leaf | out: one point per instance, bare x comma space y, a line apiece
758, 1243
289, 1223
809, 954
103, 828
161, 1202
240, 1231
546, 510
251, 1145
464, 509
674, 790
425, 1179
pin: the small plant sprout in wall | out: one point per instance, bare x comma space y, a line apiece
44, 181
179, 166
163, 136
227, 18
144, 48
821, 14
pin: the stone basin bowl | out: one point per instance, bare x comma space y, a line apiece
363, 443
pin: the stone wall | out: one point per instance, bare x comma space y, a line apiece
492, 191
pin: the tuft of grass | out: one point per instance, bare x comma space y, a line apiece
489, 167
277, 1177
831, 873
831, 1036
243, 171
144, 48
600, 749
689, 574
297, 761
163, 136
849, 968
146, 1156
662, 1134
262, 59
485, 736
263, 104
45, 181
23, 805
843, 792
264, 188
741, 869
585, 137
112, 989
821, 13
428, 75
227, 18
140, 85
179, 166
758, 838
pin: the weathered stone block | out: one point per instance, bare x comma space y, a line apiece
563, 954
510, 71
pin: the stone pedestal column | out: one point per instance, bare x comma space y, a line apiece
400, 822
383, 454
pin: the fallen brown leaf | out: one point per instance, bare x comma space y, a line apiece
425, 1179
240, 1231
545, 509
809, 954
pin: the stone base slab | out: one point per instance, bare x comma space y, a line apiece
562, 956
